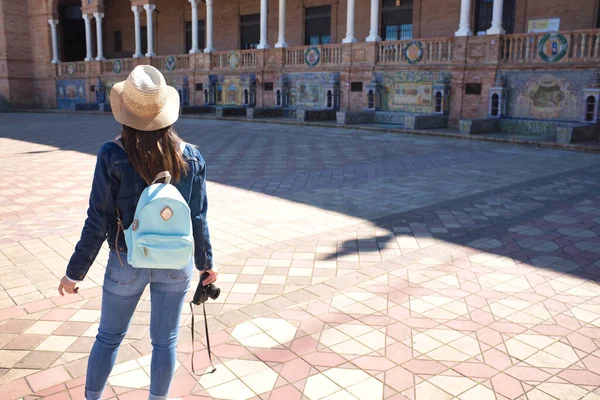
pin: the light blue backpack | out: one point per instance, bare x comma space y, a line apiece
161, 235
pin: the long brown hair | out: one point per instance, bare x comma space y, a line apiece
152, 152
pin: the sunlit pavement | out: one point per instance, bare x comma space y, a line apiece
354, 265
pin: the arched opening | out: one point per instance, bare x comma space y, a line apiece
71, 31
246, 98
371, 100
278, 98
329, 99
206, 100
590, 106
438, 102
495, 105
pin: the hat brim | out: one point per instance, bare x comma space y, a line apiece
165, 118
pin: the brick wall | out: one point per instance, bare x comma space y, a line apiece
16, 67
573, 14
433, 18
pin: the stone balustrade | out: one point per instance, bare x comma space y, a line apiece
575, 47
429, 51
559, 47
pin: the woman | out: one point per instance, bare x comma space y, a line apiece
147, 108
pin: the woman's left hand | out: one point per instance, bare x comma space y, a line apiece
212, 277
67, 286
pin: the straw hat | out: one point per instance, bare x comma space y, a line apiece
144, 101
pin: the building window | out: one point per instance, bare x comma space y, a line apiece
144, 39
206, 96
278, 95
246, 99
118, 41
188, 35
249, 31
438, 102
329, 99
590, 105
495, 104
219, 95
396, 19
483, 15
317, 25
371, 100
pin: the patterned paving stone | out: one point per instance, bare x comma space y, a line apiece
354, 265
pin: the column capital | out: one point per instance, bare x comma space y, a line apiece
149, 7
136, 9
87, 17
53, 22
98, 15
194, 2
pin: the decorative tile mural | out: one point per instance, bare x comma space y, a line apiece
70, 91
546, 95
307, 90
230, 89
409, 91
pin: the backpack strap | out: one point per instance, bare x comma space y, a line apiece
166, 175
119, 142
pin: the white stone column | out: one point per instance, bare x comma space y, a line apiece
281, 41
496, 28
53, 23
99, 17
350, 24
150, 28
194, 48
374, 32
264, 9
138, 31
209, 27
88, 37
464, 29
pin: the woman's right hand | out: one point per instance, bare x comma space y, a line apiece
212, 277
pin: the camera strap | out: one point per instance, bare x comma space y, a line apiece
207, 338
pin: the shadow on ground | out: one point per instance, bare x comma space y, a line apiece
410, 186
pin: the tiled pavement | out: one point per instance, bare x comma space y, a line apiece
354, 265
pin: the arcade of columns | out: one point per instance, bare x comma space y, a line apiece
96, 9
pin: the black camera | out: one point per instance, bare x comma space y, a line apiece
203, 293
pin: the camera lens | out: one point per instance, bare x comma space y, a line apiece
213, 292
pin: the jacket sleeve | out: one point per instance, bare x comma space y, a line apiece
199, 207
101, 209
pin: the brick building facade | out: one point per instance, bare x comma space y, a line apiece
402, 58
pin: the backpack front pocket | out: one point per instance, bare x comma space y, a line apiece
165, 252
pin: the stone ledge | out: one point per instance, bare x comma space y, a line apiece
223, 112
271, 112
303, 115
478, 126
355, 117
197, 110
576, 134
425, 121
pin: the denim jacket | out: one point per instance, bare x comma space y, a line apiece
117, 184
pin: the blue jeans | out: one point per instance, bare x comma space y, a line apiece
122, 289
